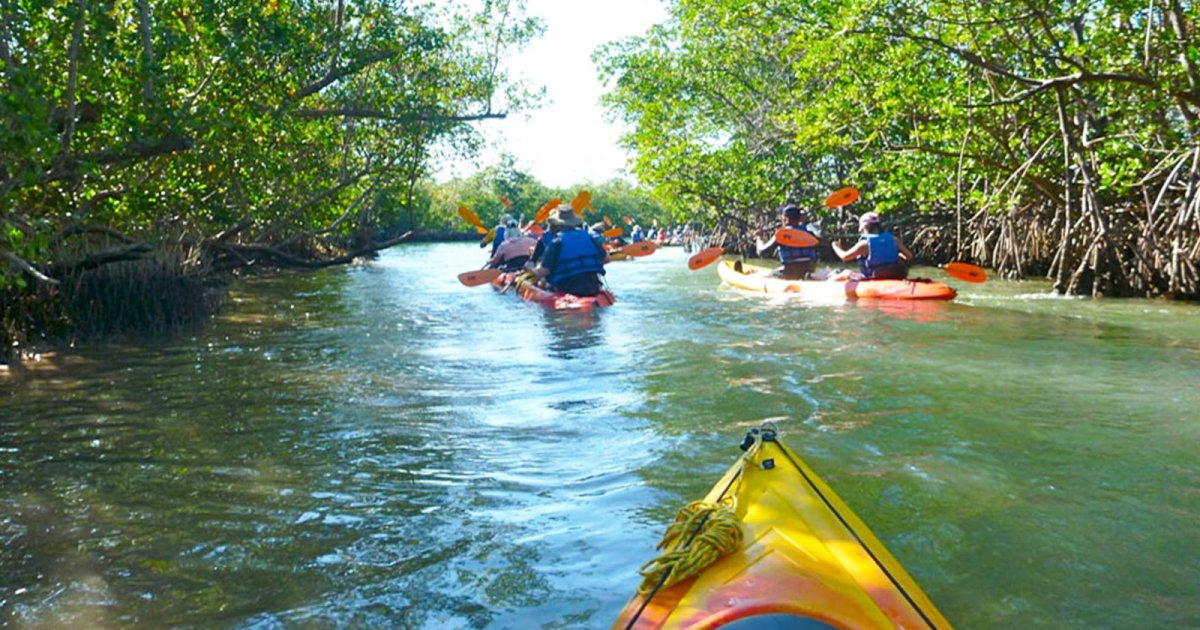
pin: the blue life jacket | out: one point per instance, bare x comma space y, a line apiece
572, 253
881, 252
788, 254
498, 240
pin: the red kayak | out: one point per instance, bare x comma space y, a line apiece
522, 284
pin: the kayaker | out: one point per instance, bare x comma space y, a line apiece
881, 256
798, 263
637, 235
515, 251
574, 260
597, 230
498, 239
544, 237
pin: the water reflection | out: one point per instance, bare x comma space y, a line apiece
915, 310
572, 331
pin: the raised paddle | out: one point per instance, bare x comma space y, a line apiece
839, 198
469, 216
581, 201
476, 278
543, 213
965, 271
793, 237
612, 232
607, 220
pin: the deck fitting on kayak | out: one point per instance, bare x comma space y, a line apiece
749, 440
767, 464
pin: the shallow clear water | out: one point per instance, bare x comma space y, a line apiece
380, 446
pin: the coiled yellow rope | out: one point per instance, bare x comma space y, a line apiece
720, 533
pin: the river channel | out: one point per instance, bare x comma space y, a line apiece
379, 446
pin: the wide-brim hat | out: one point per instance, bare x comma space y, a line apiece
564, 217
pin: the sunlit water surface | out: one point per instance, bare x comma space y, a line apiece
381, 446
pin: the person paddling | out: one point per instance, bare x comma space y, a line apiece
497, 234
574, 260
514, 252
798, 263
880, 255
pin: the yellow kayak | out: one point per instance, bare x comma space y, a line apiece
798, 557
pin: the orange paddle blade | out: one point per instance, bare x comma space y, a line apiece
965, 271
543, 213
842, 197
607, 220
469, 216
628, 220
612, 233
641, 248
705, 258
581, 201
476, 278
481, 230
491, 236
793, 237
504, 200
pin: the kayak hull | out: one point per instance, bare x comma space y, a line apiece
520, 283
804, 555
916, 289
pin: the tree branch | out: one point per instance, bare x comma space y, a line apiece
253, 252
123, 253
364, 112
19, 263
336, 74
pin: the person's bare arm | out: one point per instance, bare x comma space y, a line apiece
860, 249
904, 251
764, 248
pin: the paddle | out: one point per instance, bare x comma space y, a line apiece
965, 271
705, 257
581, 201
469, 216
640, 248
607, 220
612, 232
543, 213
839, 198
794, 237
476, 278
504, 200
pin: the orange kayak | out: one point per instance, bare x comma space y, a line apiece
799, 558
520, 283
915, 289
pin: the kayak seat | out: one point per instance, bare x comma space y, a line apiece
778, 621
514, 264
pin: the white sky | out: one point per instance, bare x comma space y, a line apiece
566, 141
